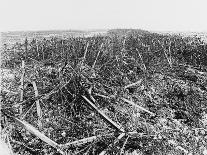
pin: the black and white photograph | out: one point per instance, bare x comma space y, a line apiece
103, 77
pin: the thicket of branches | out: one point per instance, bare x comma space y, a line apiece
127, 91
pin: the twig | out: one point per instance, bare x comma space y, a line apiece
97, 56
62, 51
83, 150
137, 106
122, 149
177, 146
170, 55
168, 59
86, 50
11, 92
106, 118
43, 54
150, 97
38, 62
101, 95
133, 84
87, 152
108, 62
9, 146
22, 117
137, 134
184, 84
197, 72
85, 140
140, 56
114, 143
37, 49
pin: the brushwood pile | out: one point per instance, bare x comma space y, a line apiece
125, 92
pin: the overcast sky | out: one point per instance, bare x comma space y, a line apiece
158, 15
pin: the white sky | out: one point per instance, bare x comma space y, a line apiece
159, 15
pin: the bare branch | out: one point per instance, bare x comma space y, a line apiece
137, 106
86, 140
114, 143
133, 84
106, 118
97, 56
